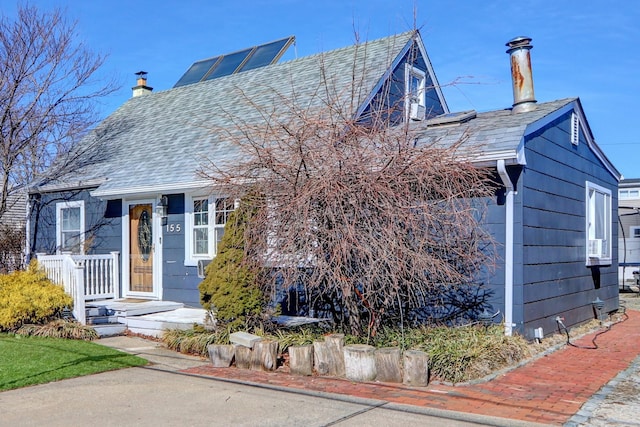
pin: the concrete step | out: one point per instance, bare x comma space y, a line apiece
155, 324
101, 320
133, 308
109, 329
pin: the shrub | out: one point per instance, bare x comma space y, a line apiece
194, 341
30, 297
229, 288
60, 328
466, 353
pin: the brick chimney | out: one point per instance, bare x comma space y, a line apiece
141, 88
521, 75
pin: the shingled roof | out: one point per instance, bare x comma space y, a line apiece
156, 141
488, 136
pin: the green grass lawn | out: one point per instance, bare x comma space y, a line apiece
28, 361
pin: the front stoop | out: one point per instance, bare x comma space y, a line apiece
154, 324
150, 318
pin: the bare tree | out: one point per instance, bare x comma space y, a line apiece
47, 93
352, 211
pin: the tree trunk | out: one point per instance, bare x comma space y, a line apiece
360, 362
388, 365
416, 368
264, 356
301, 359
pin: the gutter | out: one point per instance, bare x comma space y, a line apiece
508, 247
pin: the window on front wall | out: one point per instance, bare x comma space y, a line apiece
70, 227
205, 218
634, 232
598, 215
201, 227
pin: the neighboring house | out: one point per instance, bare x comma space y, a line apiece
138, 191
629, 230
12, 231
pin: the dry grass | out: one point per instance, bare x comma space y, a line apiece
60, 328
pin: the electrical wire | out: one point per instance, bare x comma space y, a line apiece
561, 326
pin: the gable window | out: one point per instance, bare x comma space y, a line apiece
205, 221
70, 227
598, 223
415, 92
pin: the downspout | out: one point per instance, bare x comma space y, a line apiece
508, 248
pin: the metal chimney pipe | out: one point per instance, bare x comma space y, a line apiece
521, 75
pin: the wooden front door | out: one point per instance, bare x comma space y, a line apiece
141, 248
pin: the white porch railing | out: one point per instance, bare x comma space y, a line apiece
84, 277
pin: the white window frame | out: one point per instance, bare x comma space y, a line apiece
606, 211
632, 232
190, 257
411, 71
60, 207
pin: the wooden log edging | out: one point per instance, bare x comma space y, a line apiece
388, 365
360, 362
221, 355
416, 368
264, 356
301, 359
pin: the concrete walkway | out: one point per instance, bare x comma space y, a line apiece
560, 388
572, 386
165, 394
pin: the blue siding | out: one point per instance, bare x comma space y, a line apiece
554, 279
180, 282
102, 222
390, 98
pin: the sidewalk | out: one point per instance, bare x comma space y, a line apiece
549, 390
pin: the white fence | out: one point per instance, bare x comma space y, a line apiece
84, 277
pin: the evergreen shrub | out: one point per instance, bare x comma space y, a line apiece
30, 297
230, 288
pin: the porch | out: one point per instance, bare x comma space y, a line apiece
93, 281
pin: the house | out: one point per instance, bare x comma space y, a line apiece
629, 230
12, 231
135, 191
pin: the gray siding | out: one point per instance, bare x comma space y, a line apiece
554, 280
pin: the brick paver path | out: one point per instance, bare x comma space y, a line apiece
548, 390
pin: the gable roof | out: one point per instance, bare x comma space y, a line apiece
154, 143
499, 134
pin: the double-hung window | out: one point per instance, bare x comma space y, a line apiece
205, 218
598, 223
70, 227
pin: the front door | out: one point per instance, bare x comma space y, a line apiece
141, 250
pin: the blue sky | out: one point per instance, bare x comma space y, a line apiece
581, 49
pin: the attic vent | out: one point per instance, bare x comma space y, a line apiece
575, 129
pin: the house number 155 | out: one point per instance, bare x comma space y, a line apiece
174, 228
